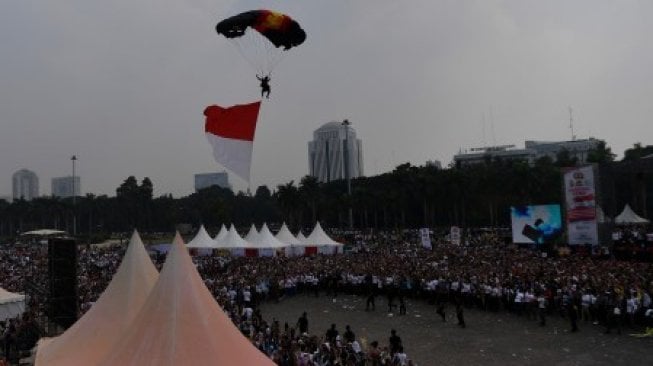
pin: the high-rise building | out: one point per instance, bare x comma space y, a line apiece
206, 180
25, 185
66, 186
334, 149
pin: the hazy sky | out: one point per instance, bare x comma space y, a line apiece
123, 83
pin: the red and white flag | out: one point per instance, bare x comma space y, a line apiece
231, 134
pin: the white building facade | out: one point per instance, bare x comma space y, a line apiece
66, 186
532, 151
335, 149
25, 184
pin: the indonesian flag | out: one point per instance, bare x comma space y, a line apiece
231, 134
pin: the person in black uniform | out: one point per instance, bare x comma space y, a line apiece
302, 323
265, 85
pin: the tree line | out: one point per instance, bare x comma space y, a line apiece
407, 197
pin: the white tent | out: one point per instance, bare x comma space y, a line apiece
233, 242
89, 339
44, 232
202, 240
269, 245
294, 245
628, 216
11, 304
221, 234
182, 324
299, 248
322, 242
285, 236
252, 235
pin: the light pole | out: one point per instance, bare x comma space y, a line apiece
74, 159
346, 124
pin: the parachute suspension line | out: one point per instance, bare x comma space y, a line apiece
259, 53
274, 55
240, 46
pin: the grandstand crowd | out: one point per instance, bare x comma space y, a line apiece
385, 268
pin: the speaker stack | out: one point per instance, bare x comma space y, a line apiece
62, 266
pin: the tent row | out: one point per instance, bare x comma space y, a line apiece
146, 318
262, 243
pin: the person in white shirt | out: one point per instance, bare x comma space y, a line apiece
400, 357
586, 302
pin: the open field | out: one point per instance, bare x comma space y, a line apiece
489, 339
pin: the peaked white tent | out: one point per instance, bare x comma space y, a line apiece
235, 244
252, 235
319, 242
269, 245
11, 304
220, 236
300, 248
285, 236
202, 240
628, 217
89, 339
182, 324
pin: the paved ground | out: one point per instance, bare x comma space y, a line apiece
489, 339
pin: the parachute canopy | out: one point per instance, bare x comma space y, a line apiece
278, 28
273, 34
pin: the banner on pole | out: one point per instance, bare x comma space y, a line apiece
580, 204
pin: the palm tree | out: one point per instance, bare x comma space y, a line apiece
309, 191
287, 196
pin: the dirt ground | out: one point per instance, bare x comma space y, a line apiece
489, 338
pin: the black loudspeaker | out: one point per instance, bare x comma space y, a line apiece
62, 267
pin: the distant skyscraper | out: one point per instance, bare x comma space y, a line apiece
63, 186
327, 153
25, 184
206, 180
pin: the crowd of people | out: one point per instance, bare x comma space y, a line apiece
484, 272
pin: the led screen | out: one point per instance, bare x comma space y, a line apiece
535, 224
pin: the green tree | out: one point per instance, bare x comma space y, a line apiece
637, 151
601, 154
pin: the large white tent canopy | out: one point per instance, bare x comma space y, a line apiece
11, 304
89, 339
182, 324
44, 232
629, 217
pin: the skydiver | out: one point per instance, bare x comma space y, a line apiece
265, 85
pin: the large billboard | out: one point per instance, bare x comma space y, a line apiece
535, 224
580, 206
